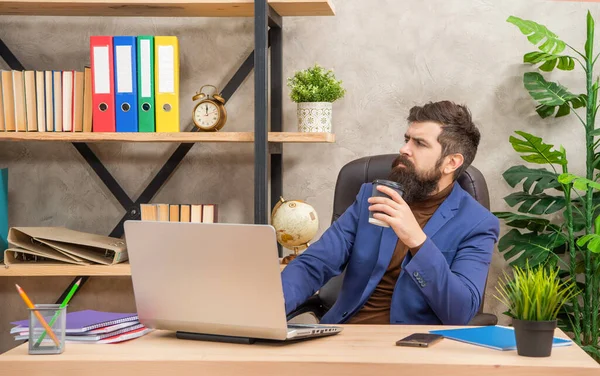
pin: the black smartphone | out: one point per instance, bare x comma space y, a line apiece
419, 340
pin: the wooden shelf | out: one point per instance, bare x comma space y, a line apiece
50, 270
162, 8
279, 137
47, 270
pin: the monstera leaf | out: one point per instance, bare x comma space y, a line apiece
535, 204
526, 222
531, 246
535, 150
537, 33
551, 96
542, 178
550, 61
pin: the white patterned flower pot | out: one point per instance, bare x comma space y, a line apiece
314, 116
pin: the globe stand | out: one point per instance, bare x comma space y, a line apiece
287, 259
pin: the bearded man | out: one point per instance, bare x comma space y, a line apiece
429, 267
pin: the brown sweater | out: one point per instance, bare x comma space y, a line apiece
377, 308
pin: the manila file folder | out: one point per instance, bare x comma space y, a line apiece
64, 245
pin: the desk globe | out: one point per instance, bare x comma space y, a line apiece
295, 223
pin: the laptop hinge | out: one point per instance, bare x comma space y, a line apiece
214, 338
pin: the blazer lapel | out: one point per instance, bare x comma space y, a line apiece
444, 213
387, 245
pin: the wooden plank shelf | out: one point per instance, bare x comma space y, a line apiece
60, 269
161, 8
277, 137
48, 270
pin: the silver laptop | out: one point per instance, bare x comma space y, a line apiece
211, 280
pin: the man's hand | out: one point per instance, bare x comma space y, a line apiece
396, 213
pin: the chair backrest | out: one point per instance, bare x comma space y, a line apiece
367, 169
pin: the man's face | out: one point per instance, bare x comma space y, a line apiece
419, 166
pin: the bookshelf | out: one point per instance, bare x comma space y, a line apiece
56, 270
158, 8
48, 270
276, 137
268, 117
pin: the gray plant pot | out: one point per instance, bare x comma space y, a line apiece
534, 338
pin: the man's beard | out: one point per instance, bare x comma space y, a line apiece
416, 188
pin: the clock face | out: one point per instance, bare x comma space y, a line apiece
206, 115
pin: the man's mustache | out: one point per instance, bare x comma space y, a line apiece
402, 160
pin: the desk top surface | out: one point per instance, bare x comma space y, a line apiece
359, 349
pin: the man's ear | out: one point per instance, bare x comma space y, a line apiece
453, 162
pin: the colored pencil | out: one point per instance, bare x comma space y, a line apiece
38, 315
62, 305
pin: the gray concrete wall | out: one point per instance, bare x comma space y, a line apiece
390, 54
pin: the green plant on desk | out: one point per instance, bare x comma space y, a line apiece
534, 294
534, 297
557, 220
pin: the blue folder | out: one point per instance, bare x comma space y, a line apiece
493, 337
125, 71
3, 211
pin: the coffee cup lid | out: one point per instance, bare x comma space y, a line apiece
389, 183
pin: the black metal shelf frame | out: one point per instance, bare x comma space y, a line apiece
267, 34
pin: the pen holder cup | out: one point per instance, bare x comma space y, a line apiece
40, 340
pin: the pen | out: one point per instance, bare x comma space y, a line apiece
62, 305
37, 313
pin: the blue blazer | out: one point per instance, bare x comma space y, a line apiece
442, 284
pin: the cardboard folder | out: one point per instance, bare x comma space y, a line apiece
59, 244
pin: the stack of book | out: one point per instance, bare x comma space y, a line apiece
46, 101
198, 213
91, 326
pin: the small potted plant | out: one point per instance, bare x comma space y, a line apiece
533, 297
314, 90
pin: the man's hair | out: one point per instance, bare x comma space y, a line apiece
459, 134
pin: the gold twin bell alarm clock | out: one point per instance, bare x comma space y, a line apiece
209, 114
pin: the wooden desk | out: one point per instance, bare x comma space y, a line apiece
358, 350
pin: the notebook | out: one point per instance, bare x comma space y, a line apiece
91, 337
494, 337
126, 336
20, 330
84, 321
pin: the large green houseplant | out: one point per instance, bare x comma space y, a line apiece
556, 219
534, 297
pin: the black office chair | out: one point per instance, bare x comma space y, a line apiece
348, 184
